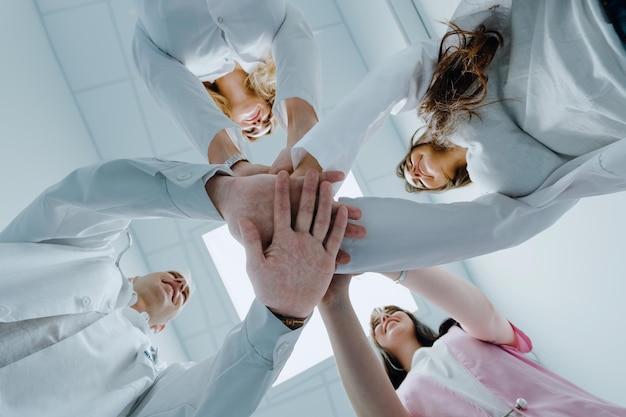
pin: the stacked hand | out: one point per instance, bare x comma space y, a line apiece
293, 273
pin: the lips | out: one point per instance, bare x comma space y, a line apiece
173, 287
255, 116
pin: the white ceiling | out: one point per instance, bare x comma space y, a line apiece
70, 97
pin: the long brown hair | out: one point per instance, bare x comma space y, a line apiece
459, 84
262, 81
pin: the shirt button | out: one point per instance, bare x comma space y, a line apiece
111, 304
183, 176
282, 349
4, 311
86, 301
220, 20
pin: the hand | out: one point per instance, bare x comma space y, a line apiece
282, 162
253, 197
308, 162
338, 292
245, 169
292, 274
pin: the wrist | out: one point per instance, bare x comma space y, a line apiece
292, 322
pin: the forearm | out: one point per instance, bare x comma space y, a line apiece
234, 381
301, 118
402, 234
461, 300
362, 374
93, 204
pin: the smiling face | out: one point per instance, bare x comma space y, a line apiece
392, 329
162, 295
429, 168
254, 115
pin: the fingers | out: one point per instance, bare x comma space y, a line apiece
354, 213
306, 211
323, 216
338, 230
282, 205
342, 258
332, 176
355, 231
251, 240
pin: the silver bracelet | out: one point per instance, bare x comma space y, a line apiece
234, 159
401, 277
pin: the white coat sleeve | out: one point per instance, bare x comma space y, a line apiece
92, 205
394, 86
181, 94
231, 383
298, 67
403, 235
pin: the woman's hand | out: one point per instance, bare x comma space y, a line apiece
282, 162
245, 169
338, 293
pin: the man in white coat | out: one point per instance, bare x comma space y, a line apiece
75, 333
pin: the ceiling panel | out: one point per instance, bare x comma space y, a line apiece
115, 121
86, 44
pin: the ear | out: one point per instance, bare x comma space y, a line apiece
157, 328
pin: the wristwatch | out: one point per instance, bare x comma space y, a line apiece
234, 159
292, 322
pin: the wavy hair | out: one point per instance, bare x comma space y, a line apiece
459, 84
262, 81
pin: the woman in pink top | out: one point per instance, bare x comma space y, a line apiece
476, 368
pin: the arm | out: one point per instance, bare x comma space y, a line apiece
403, 234
395, 85
181, 94
92, 205
361, 371
462, 301
290, 277
234, 380
298, 77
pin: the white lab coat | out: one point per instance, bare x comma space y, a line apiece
573, 126
56, 258
177, 44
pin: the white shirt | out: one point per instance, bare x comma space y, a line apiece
57, 260
561, 75
179, 43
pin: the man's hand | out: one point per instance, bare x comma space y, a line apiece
253, 197
293, 273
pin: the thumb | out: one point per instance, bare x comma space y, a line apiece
251, 241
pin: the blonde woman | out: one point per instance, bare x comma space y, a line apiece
229, 70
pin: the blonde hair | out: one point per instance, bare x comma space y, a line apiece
262, 81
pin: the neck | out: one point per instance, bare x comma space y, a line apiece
232, 85
404, 354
